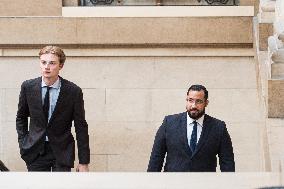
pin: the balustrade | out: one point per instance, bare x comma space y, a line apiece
276, 43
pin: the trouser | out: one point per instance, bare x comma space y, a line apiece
46, 162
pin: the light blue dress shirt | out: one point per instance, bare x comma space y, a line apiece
53, 95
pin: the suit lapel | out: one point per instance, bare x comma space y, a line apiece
204, 134
37, 96
184, 133
60, 99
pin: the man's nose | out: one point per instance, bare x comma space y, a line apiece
46, 66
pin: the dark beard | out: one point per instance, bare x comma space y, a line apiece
197, 115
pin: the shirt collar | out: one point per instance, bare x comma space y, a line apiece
55, 85
199, 121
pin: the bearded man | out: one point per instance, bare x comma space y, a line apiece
192, 140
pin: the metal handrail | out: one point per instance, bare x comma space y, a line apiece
158, 2
107, 2
218, 1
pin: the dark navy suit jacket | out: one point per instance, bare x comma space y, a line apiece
171, 141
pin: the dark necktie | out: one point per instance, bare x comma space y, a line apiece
46, 103
193, 139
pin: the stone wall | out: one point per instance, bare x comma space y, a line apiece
30, 8
127, 97
133, 72
126, 31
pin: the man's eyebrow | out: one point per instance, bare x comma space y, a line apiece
47, 61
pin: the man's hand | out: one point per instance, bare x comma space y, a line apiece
82, 168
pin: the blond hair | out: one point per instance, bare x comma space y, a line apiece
54, 50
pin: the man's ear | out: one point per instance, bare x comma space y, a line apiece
206, 103
61, 66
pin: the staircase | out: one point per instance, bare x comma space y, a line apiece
271, 66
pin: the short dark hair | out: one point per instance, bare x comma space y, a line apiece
198, 88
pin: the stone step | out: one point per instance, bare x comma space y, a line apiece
35, 180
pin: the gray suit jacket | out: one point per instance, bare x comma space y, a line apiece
171, 140
69, 107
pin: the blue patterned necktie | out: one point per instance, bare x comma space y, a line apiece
193, 139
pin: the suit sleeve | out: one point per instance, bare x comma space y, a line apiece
22, 116
81, 129
159, 150
226, 154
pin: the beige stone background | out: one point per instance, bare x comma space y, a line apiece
126, 99
134, 71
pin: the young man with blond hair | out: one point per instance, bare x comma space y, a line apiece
52, 103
